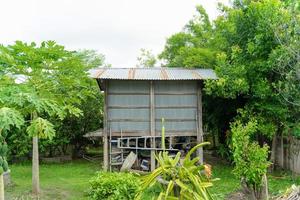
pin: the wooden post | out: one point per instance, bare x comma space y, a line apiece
199, 121
152, 125
35, 166
105, 129
1, 187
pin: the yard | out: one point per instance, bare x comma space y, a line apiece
58, 181
70, 181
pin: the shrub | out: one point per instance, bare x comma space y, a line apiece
113, 186
250, 159
179, 180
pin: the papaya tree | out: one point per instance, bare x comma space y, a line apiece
53, 83
9, 118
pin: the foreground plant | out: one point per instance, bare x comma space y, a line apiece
113, 186
178, 180
8, 118
250, 159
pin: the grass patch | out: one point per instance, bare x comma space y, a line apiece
278, 181
69, 181
58, 181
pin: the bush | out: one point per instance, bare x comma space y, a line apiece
113, 186
250, 159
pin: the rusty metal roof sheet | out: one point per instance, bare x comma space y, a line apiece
155, 73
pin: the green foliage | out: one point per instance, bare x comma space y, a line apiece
146, 59
251, 160
113, 186
53, 83
178, 180
254, 48
42, 128
8, 118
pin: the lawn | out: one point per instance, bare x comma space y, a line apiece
278, 181
69, 181
58, 181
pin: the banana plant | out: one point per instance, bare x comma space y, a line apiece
178, 179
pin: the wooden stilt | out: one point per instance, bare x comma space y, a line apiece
105, 131
152, 125
199, 121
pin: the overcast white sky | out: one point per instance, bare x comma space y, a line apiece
116, 28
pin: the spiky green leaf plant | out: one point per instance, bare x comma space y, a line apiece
178, 179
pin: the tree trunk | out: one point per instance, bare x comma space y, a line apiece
1, 187
273, 152
281, 151
35, 166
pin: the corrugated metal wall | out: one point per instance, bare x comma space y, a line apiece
128, 106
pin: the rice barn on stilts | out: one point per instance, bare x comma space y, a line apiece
136, 100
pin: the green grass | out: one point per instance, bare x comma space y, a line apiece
69, 181
228, 183
58, 181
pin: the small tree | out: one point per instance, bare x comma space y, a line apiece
251, 160
146, 59
8, 118
54, 84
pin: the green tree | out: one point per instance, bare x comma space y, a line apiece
251, 160
55, 82
244, 39
146, 59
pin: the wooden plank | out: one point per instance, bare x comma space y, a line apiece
141, 133
128, 120
128, 93
128, 107
147, 107
152, 124
105, 130
176, 107
144, 120
199, 125
128, 162
175, 93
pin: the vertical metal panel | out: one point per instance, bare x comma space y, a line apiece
184, 113
172, 102
129, 113
175, 100
184, 126
175, 86
130, 126
121, 86
122, 96
128, 100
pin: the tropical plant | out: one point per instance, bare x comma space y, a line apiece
179, 179
254, 48
113, 186
54, 84
8, 118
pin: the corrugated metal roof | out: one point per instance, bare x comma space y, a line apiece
155, 73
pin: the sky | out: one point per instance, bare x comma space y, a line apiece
116, 28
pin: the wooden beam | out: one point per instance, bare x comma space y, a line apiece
105, 130
157, 133
152, 124
200, 123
